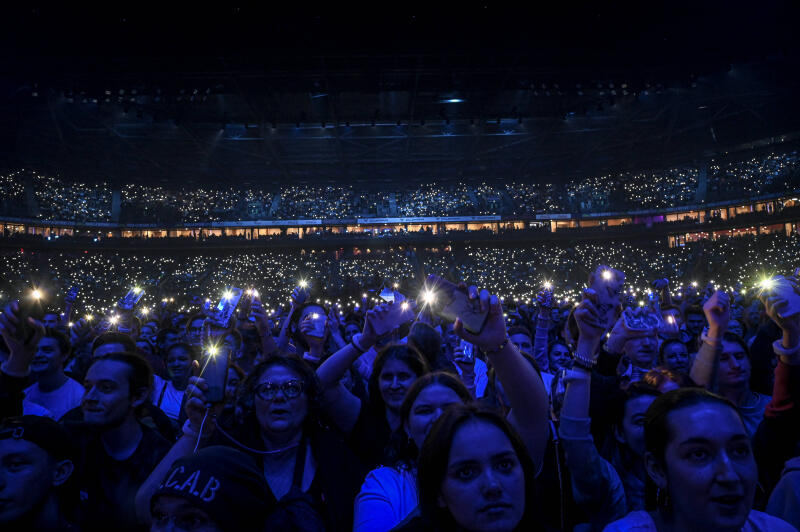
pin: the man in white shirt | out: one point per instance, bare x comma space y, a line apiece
53, 390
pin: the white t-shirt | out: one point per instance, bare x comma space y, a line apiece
170, 400
387, 496
481, 376
58, 402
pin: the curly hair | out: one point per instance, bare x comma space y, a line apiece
245, 394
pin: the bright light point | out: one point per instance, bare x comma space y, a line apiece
255, 293
207, 300
694, 283
453, 100
767, 284
607, 275
363, 295
136, 289
314, 316
428, 297
113, 320
396, 285
70, 324
145, 311
548, 285
670, 319
641, 303
303, 283
212, 350
227, 295
404, 305
37, 294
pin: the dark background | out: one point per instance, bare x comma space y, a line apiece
242, 95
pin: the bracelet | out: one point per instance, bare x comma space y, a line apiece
499, 348
355, 340
781, 351
707, 339
584, 362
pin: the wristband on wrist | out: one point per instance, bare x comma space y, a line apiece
499, 348
356, 341
584, 362
781, 351
709, 340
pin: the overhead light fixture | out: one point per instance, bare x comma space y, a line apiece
452, 100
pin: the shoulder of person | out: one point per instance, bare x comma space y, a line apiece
386, 477
761, 522
638, 521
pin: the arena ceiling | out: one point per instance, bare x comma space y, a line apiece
243, 95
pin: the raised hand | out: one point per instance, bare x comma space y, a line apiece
494, 332
775, 303
299, 296
197, 405
718, 313
544, 299
21, 349
262, 321
381, 320
587, 316
80, 333
660, 285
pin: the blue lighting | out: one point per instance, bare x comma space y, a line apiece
452, 100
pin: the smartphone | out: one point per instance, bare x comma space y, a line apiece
130, 300
453, 302
33, 307
73, 292
789, 292
607, 284
222, 314
244, 305
215, 372
319, 321
469, 350
387, 295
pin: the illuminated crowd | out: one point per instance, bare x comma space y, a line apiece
345, 275
57, 199
191, 390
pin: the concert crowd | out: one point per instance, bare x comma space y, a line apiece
52, 198
586, 386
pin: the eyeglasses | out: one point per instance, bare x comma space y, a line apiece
268, 390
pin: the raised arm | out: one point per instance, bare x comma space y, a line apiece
777, 436
268, 344
544, 298
662, 286
718, 313
595, 483
15, 370
521, 382
198, 428
342, 406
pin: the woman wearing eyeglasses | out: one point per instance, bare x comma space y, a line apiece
312, 475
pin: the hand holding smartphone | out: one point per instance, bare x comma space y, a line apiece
130, 300
607, 285
451, 302
214, 364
